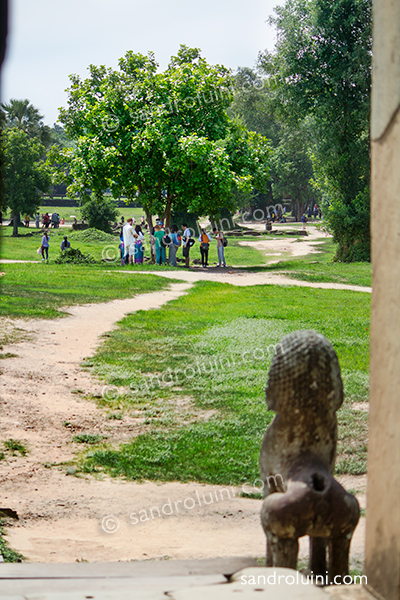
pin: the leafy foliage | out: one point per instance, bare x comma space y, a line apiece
23, 172
322, 69
75, 256
99, 212
292, 170
351, 224
22, 115
157, 134
291, 166
9, 555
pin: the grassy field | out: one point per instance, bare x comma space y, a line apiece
40, 290
66, 212
198, 378
24, 247
101, 245
317, 267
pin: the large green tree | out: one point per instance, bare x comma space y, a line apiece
321, 68
291, 166
163, 135
292, 172
24, 174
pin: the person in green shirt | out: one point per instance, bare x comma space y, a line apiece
160, 249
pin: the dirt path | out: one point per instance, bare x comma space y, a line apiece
286, 248
65, 518
243, 278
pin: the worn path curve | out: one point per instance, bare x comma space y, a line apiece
64, 518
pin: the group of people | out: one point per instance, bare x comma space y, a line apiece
45, 245
277, 215
314, 211
54, 220
132, 244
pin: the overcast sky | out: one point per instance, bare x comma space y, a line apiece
51, 39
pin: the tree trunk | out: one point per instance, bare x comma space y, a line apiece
167, 214
16, 219
149, 220
298, 209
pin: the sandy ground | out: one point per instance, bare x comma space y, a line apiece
64, 518
242, 278
286, 247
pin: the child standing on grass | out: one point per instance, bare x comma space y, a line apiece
45, 246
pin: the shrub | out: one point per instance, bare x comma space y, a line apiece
75, 256
350, 225
98, 212
92, 235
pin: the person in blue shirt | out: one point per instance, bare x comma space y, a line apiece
45, 246
176, 241
65, 244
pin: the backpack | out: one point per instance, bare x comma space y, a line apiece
224, 242
165, 241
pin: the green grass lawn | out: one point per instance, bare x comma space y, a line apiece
24, 247
66, 212
197, 379
317, 267
39, 290
101, 245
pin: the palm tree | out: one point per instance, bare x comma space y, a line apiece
22, 115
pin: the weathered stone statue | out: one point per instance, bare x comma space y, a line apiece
298, 456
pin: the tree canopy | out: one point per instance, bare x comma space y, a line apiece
24, 173
165, 135
321, 69
23, 115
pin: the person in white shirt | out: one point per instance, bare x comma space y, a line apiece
129, 240
204, 240
186, 243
